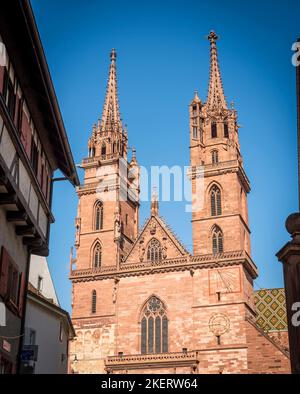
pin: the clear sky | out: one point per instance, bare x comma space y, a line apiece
163, 56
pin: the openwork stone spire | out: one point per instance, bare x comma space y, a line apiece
111, 120
216, 98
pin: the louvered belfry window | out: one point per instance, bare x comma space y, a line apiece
154, 327
94, 301
97, 256
226, 133
214, 130
214, 157
217, 240
215, 201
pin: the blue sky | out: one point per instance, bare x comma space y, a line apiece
163, 56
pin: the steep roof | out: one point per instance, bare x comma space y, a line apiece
155, 228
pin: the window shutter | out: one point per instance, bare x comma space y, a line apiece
26, 135
17, 108
1, 78
4, 268
22, 293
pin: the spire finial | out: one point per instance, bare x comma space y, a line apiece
212, 36
154, 202
111, 119
216, 97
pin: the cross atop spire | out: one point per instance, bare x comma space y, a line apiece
111, 119
215, 98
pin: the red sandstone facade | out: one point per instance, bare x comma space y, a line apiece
141, 302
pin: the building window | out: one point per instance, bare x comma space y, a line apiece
34, 157
215, 201
11, 282
126, 219
103, 149
226, 134
5, 366
217, 240
99, 216
154, 327
94, 301
214, 130
194, 110
154, 252
215, 157
40, 283
9, 96
195, 132
97, 256
32, 336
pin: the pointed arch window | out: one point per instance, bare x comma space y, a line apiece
94, 301
99, 216
226, 133
217, 240
103, 149
214, 130
154, 327
154, 252
215, 157
97, 255
215, 201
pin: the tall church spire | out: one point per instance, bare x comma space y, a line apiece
111, 120
215, 98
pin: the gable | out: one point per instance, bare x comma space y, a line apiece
155, 229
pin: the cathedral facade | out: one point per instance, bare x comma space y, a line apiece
141, 302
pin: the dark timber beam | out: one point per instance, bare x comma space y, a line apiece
16, 216
33, 242
25, 230
8, 198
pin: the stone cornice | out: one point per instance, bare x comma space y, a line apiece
139, 361
183, 263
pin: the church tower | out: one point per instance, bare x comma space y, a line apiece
142, 303
214, 148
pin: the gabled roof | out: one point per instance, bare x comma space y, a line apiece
155, 227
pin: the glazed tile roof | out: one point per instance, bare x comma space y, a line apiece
271, 309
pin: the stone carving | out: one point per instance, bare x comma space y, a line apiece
117, 229
141, 249
115, 290
164, 248
153, 228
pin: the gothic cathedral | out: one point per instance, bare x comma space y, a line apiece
141, 302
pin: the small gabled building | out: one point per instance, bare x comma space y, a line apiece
48, 327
